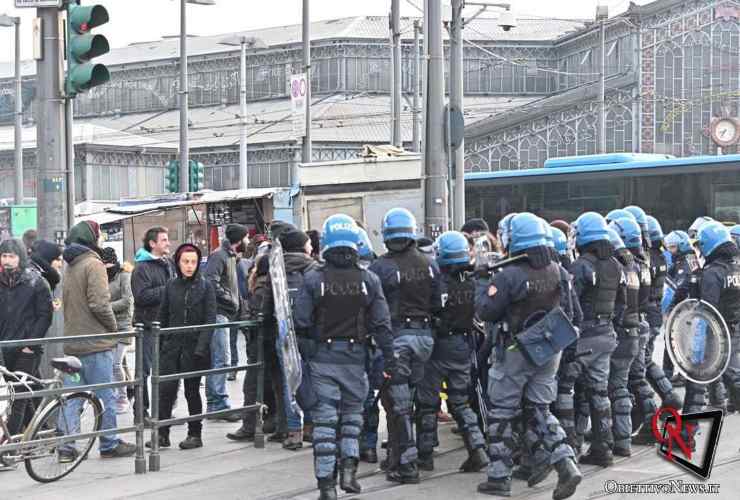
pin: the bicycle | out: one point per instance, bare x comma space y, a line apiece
50, 420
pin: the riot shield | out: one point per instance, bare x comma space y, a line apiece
698, 341
287, 346
669, 291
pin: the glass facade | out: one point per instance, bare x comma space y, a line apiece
675, 199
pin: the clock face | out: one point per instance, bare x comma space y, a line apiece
725, 132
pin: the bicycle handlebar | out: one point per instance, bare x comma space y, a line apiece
22, 377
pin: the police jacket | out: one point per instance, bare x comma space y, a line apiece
627, 304
658, 273
597, 278
520, 290
410, 284
643, 263
343, 303
720, 283
685, 275
457, 288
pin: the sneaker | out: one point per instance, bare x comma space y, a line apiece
122, 450
67, 456
294, 441
164, 442
191, 443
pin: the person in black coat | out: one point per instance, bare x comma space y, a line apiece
189, 299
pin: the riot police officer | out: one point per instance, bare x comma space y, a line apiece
561, 247
597, 277
627, 325
517, 294
411, 286
720, 286
450, 359
374, 368
339, 306
735, 233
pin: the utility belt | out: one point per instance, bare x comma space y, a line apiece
450, 333
600, 320
628, 332
340, 342
417, 323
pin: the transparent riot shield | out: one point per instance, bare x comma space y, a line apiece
698, 341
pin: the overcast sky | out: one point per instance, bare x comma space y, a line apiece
145, 20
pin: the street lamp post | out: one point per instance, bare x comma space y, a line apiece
244, 42
8, 21
184, 145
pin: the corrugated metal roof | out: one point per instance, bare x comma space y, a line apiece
137, 207
349, 28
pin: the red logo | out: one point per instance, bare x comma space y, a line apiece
674, 433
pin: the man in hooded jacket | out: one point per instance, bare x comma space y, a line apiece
25, 313
87, 311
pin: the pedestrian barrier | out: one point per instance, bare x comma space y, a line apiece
19, 444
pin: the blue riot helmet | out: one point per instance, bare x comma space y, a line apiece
640, 216
697, 224
735, 233
712, 235
340, 231
590, 227
680, 240
629, 231
398, 223
452, 248
527, 231
619, 213
504, 230
560, 240
655, 232
365, 248
614, 237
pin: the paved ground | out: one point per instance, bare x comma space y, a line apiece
224, 470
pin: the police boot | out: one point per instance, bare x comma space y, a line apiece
569, 477
538, 473
348, 476
521, 472
673, 400
678, 381
734, 399
404, 474
477, 460
644, 436
496, 487
327, 489
603, 458
425, 462
369, 455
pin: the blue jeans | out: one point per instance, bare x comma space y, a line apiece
96, 369
217, 396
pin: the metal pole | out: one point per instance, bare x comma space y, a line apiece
18, 116
456, 101
306, 154
243, 173
436, 197
396, 60
69, 127
184, 146
602, 90
51, 152
154, 463
416, 139
140, 460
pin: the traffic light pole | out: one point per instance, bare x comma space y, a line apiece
456, 101
18, 133
69, 128
184, 143
396, 59
50, 138
307, 145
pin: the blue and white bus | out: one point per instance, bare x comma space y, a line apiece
675, 190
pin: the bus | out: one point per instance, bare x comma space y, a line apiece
674, 190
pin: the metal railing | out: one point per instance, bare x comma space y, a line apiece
138, 382
157, 378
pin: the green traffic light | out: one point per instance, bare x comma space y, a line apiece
83, 46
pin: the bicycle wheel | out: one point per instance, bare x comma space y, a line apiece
50, 462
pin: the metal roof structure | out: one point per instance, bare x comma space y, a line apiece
348, 28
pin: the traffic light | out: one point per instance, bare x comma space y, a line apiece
172, 180
83, 46
197, 176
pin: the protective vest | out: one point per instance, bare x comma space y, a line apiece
631, 313
658, 272
415, 278
458, 304
543, 294
341, 309
729, 300
597, 300
645, 282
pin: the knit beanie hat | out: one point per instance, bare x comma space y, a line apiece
236, 233
293, 240
47, 250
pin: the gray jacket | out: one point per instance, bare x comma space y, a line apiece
221, 271
122, 301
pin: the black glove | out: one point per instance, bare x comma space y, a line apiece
389, 366
569, 353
